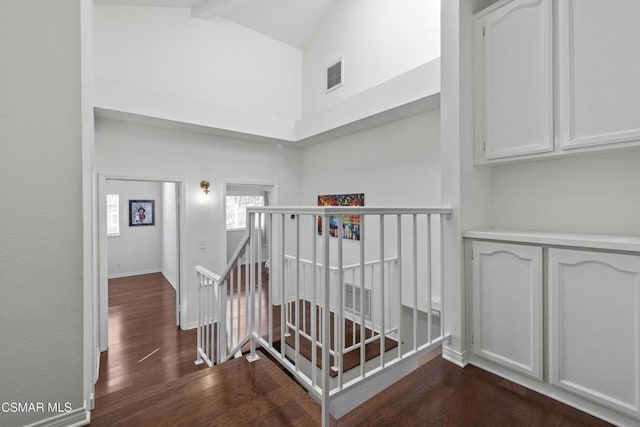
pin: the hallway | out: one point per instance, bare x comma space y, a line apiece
146, 348
148, 378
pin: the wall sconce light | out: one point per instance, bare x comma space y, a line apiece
204, 185
204, 196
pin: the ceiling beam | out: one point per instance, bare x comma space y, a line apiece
211, 8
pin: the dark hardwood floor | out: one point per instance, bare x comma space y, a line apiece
441, 394
140, 387
145, 346
236, 393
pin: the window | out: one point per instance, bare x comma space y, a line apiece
113, 215
237, 208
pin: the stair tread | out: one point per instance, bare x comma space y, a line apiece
351, 359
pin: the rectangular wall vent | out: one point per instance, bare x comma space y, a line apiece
334, 75
349, 300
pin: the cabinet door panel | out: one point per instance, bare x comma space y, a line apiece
594, 308
516, 79
507, 306
599, 68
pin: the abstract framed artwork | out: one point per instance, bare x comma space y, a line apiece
350, 223
142, 212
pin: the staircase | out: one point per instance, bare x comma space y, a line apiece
333, 311
353, 332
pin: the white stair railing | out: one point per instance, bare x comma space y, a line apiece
325, 300
224, 314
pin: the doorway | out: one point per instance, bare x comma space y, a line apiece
141, 228
237, 197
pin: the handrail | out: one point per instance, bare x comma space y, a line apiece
345, 267
206, 272
236, 254
208, 315
350, 210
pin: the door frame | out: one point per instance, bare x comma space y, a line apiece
102, 285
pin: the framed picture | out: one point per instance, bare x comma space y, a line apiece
142, 212
350, 223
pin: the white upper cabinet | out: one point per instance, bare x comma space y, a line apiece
556, 77
514, 79
599, 72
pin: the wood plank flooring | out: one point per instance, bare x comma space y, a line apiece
167, 389
236, 393
141, 321
442, 394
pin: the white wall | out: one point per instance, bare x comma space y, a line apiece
379, 40
233, 240
137, 250
41, 249
161, 62
125, 148
595, 193
170, 233
465, 188
393, 165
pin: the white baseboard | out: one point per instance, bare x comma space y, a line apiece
187, 326
95, 380
166, 276
454, 356
133, 273
75, 418
345, 401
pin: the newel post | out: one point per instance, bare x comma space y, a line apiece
250, 270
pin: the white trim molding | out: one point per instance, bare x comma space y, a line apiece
75, 418
136, 273
460, 358
172, 282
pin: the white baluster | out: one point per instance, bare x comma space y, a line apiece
362, 280
429, 279
415, 282
339, 317
314, 302
283, 304
382, 298
270, 278
399, 285
297, 300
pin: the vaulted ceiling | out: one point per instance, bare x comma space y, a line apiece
290, 21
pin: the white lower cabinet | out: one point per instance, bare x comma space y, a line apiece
594, 326
507, 306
